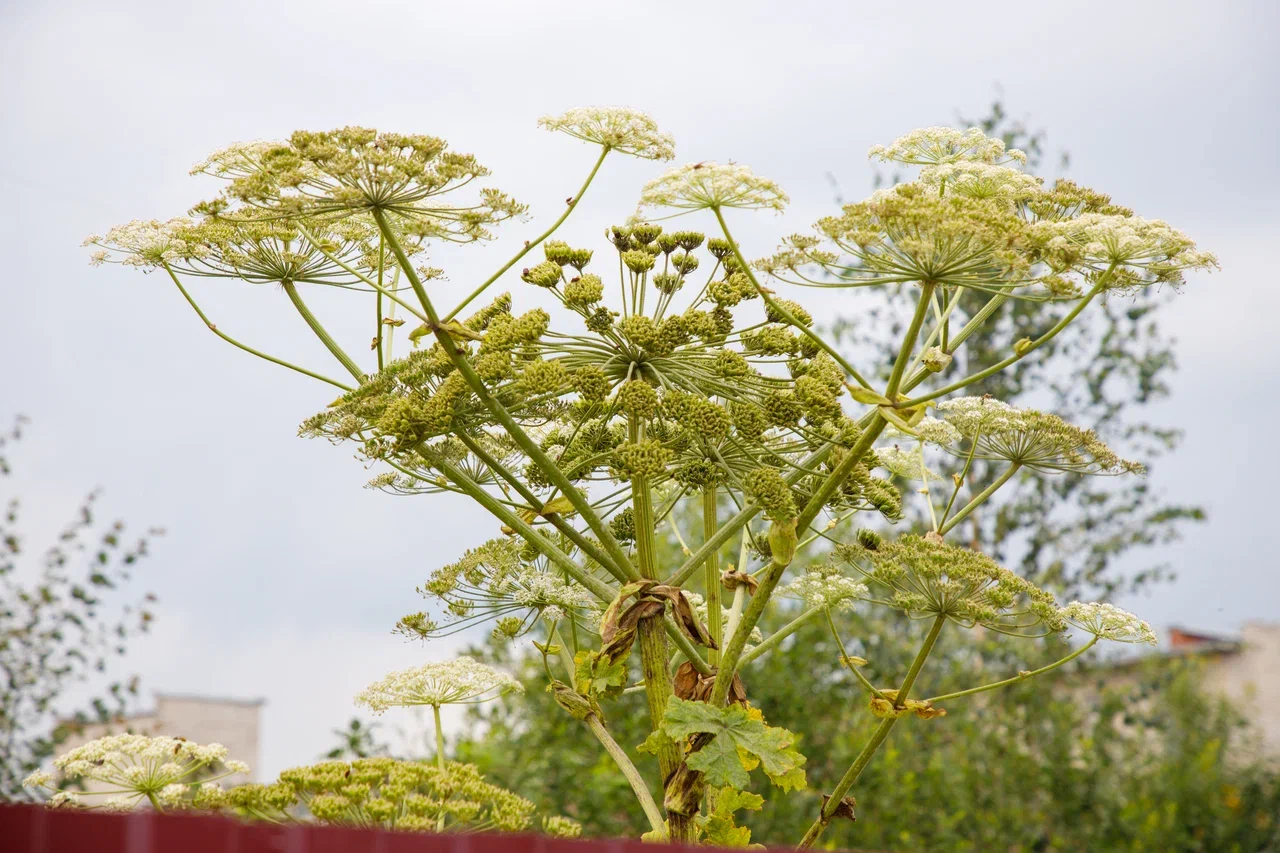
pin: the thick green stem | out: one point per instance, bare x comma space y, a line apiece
573, 203
435, 709
731, 527
979, 499
620, 757
530, 447
1022, 676
877, 738
597, 587
557, 521
325, 338
772, 641
246, 348
1017, 356
909, 340
742, 632
711, 575
782, 311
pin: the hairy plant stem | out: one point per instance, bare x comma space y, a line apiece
245, 347
772, 641
528, 246
330, 344
711, 575
633, 777
1022, 676
731, 526
653, 640
877, 738
979, 499
435, 710
767, 296
517, 433
909, 339
1035, 345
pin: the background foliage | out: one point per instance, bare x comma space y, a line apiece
63, 619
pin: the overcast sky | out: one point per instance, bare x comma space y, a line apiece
280, 576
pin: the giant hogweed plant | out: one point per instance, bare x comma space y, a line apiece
676, 376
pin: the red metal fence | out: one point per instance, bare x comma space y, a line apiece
35, 829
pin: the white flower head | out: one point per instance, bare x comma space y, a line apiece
134, 767
461, 681
1037, 440
146, 243
1094, 241
698, 186
39, 779
826, 586
905, 463
935, 145
937, 431
236, 160
1108, 622
981, 180
621, 129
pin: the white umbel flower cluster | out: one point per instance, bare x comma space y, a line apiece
1108, 622
235, 160
1038, 440
1098, 240
146, 243
826, 586
935, 145
620, 129
462, 681
980, 180
905, 463
699, 186
137, 768
937, 431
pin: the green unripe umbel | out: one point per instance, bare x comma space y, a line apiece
545, 274
584, 290
766, 487
638, 399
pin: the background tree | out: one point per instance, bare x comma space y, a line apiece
62, 621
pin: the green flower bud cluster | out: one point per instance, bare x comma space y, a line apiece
590, 383
926, 576
584, 290
542, 377
700, 474
771, 340
698, 415
766, 487
797, 312
545, 274
748, 419
719, 248
640, 460
731, 290
638, 399
623, 526
711, 327
391, 794
559, 253
667, 283
506, 332
658, 339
